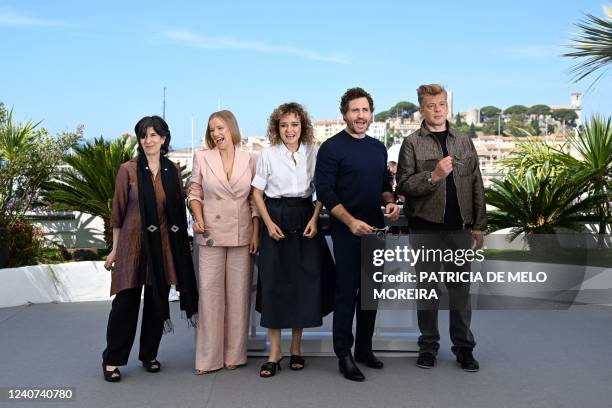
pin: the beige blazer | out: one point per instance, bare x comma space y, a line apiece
228, 204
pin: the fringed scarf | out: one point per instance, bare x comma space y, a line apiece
179, 244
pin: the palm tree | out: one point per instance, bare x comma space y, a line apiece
534, 154
537, 203
586, 154
87, 183
16, 143
28, 157
591, 150
593, 46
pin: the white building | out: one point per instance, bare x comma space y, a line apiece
472, 116
377, 130
324, 129
183, 157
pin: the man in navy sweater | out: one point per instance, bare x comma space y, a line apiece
351, 182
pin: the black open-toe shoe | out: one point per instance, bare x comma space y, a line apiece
152, 366
111, 376
296, 362
268, 369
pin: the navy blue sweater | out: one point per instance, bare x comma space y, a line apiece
353, 172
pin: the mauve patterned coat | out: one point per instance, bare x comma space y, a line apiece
130, 269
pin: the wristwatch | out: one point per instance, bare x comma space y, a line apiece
428, 177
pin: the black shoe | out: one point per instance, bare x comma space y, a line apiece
296, 362
111, 376
467, 360
152, 366
349, 369
426, 360
268, 369
369, 359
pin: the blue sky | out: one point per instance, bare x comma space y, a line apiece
104, 64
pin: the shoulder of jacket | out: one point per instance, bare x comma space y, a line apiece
130, 164
201, 151
414, 134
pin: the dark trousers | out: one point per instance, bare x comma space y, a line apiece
347, 297
122, 322
460, 312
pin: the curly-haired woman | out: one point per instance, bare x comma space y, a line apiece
296, 271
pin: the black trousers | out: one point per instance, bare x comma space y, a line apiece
347, 296
460, 312
122, 322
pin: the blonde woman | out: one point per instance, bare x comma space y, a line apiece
227, 231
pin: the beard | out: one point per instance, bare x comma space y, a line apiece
352, 127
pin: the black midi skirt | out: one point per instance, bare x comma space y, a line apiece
296, 275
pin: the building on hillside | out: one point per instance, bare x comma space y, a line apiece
324, 129
472, 115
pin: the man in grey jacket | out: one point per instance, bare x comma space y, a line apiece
439, 174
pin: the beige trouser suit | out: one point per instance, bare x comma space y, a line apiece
225, 285
225, 265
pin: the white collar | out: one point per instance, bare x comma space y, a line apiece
299, 151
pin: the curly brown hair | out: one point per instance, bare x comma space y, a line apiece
355, 93
307, 134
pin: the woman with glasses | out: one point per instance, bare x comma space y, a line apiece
150, 248
295, 268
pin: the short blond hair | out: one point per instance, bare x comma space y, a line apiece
430, 90
230, 121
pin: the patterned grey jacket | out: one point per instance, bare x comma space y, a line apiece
419, 154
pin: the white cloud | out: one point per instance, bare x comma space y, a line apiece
198, 41
13, 18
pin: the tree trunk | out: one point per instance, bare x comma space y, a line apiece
602, 211
108, 233
3, 249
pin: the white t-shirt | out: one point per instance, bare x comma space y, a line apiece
279, 176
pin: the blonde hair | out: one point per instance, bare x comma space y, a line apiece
307, 134
430, 90
230, 121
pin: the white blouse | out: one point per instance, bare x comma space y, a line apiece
277, 175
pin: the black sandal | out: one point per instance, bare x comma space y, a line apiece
270, 367
296, 362
152, 366
110, 375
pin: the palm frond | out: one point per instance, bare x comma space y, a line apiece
592, 45
87, 181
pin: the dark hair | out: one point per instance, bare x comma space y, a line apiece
307, 135
161, 128
355, 93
